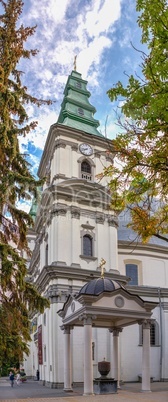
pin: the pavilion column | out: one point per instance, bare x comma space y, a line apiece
146, 356
88, 366
67, 360
115, 358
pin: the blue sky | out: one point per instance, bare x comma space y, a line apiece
100, 33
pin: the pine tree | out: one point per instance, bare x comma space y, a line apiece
139, 179
17, 296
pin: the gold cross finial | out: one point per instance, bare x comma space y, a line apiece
102, 264
75, 62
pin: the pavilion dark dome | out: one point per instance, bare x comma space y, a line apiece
97, 286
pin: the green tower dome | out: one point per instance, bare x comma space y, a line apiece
76, 110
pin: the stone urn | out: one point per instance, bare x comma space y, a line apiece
104, 368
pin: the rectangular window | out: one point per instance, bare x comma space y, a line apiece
44, 318
132, 272
87, 245
152, 335
46, 255
45, 355
93, 350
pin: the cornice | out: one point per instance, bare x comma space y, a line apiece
89, 196
133, 248
148, 291
51, 272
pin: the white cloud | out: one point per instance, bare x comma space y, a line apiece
48, 10
38, 136
98, 31
59, 39
101, 17
91, 56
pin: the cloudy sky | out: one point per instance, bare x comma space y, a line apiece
100, 33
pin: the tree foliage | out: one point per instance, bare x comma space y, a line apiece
139, 176
17, 296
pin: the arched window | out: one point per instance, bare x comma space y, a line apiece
87, 245
86, 170
132, 272
154, 334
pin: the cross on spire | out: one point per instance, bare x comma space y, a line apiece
75, 62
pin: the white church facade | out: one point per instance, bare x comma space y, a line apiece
74, 228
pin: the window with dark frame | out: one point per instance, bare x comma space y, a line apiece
87, 246
154, 334
85, 167
45, 354
78, 84
80, 111
93, 350
46, 255
132, 272
44, 318
86, 172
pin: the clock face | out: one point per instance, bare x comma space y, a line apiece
86, 149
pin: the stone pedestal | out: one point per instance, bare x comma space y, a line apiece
104, 386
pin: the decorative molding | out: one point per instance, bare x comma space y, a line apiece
112, 221
87, 258
146, 291
139, 249
146, 324
119, 301
60, 143
55, 270
87, 318
100, 218
57, 295
59, 209
75, 212
57, 177
115, 330
73, 265
88, 226
59, 263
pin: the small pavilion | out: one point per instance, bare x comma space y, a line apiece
105, 303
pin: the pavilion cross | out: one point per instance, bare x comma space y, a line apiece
102, 264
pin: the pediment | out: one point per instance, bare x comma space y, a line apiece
109, 309
70, 306
121, 300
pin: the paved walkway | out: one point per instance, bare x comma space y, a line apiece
36, 392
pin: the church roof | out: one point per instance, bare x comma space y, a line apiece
76, 110
126, 234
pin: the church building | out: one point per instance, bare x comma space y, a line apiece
105, 289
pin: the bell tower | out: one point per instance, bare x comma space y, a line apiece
74, 216
75, 228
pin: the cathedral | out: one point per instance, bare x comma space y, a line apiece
108, 294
